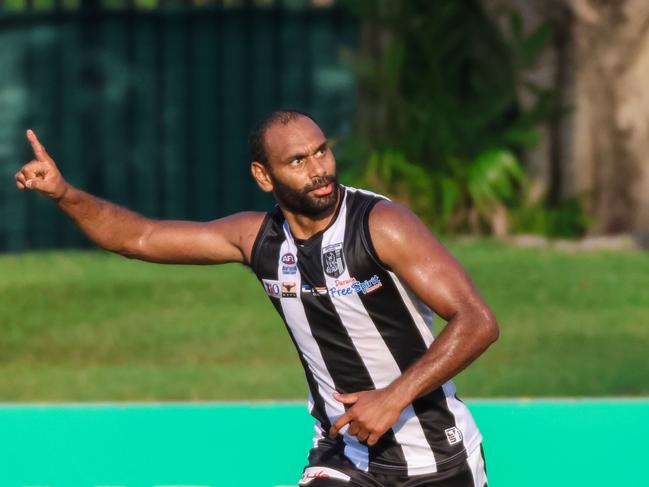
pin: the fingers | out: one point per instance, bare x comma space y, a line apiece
20, 180
355, 429
346, 398
35, 169
342, 421
34, 184
37, 147
31, 175
362, 434
364, 414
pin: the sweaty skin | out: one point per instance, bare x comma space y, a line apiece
120, 230
405, 245
299, 159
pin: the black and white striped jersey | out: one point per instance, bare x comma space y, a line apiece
357, 327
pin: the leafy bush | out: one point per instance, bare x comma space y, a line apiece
439, 124
567, 220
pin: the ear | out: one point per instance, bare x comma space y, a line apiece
260, 173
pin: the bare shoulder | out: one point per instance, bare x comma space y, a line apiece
404, 244
394, 223
246, 219
392, 220
398, 235
243, 228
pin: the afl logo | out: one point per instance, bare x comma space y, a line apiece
288, 259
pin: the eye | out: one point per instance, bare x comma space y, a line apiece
321, 151
296, 162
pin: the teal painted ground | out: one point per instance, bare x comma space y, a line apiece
528, 444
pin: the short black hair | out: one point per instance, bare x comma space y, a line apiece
256, 142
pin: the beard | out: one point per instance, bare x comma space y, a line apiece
301, 202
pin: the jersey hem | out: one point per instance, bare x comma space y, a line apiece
446, 464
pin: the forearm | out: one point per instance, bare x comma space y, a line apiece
464, 339
108, 225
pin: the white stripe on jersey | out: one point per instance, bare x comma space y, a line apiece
421, 314
296, 319
317, 432
423, 317
380, 364
463, 419
477, 466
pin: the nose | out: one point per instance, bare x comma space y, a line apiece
316, 167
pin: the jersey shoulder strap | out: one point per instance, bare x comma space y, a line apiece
270, 228
359, 207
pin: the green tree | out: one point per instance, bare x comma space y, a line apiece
440, 125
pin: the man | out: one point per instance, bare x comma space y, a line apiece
356, 278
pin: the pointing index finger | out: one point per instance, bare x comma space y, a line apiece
39, 150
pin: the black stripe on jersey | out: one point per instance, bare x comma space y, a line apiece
272, 236
394, 322
343, 361
338, 352
265, 228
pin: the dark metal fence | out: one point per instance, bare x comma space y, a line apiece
151, 107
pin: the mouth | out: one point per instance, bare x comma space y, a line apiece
323, 190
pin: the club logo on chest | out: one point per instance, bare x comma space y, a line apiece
333, 261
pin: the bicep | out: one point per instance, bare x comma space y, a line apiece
227, 239
404, 244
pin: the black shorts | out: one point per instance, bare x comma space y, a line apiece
329, 467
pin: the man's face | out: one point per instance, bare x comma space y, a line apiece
302, 167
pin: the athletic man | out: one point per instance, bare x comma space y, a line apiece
356, 278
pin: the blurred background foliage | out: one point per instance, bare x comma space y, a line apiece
440, 127
485, 116
150, 107
147, 103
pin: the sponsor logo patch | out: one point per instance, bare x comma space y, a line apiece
314, 290
345, 287
289, 289
320, 291
289, 263
312, 473
453, 435
333, 262
272, 288
288, 259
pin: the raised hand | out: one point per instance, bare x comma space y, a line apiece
41, 173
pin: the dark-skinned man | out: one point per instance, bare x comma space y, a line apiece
357, 279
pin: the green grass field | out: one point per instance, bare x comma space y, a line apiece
89, 326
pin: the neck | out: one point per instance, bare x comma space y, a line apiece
304, 227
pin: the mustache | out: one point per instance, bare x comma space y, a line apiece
319, 183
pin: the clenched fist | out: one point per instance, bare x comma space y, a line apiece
41, 174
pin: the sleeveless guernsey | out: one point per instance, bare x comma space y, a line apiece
357, 327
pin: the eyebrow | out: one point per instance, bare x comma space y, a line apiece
301, 155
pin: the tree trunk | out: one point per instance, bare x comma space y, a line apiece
611, 120
549, 72
598, 150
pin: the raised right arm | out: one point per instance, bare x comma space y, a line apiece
125, 232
